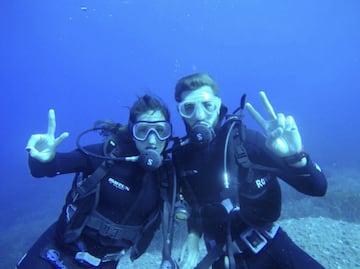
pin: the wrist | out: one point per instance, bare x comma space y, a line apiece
297, 160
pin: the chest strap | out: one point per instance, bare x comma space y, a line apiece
107, 228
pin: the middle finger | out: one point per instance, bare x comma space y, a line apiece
267, 105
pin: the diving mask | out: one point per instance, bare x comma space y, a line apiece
142, 129
208, 104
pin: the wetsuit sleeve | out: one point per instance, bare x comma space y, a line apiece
63, 163
309, 179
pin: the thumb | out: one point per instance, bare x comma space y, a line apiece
34, 153
60, 138
40, 156
33, 140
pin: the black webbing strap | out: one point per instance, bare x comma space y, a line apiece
212, 256
168, 190
91, 182
112, 230
242, 157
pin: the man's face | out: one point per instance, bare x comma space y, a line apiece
151, 131
200, 106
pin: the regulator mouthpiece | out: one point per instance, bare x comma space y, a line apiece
202, 133
150, 160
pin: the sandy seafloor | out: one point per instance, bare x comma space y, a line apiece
335, 244
328, 228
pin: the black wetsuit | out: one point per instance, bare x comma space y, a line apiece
126, 187
257, 192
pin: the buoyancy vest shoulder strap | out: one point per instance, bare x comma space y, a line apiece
167, 180
169, 190
241, 154
92, 181
87, 186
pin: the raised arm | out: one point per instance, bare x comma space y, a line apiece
42, 147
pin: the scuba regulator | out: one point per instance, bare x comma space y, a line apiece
201, 133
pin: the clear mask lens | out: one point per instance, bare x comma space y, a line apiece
187, 108
142, 129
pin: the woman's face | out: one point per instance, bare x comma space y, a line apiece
151, 131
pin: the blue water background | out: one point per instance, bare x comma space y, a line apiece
90, 59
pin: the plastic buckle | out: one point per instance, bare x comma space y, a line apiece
70, 212
254, 240
104, 229
271, 231
87, 258
227, 204
237, 247
109, 231
113, 256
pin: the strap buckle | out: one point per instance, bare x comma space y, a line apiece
254, 240
86, 258
109, 231
271, 231
113, 256
89, 259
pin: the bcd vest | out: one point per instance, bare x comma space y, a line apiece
79, 212
228, 168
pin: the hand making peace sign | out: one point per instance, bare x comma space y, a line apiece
282, 134
43, 146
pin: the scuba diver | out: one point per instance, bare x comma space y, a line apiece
122, 191
229, 174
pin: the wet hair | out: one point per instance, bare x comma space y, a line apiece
194, 82
147, 103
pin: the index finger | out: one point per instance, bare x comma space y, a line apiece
256, 115
267, 105
51, 123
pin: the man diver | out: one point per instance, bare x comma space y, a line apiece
229, 176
